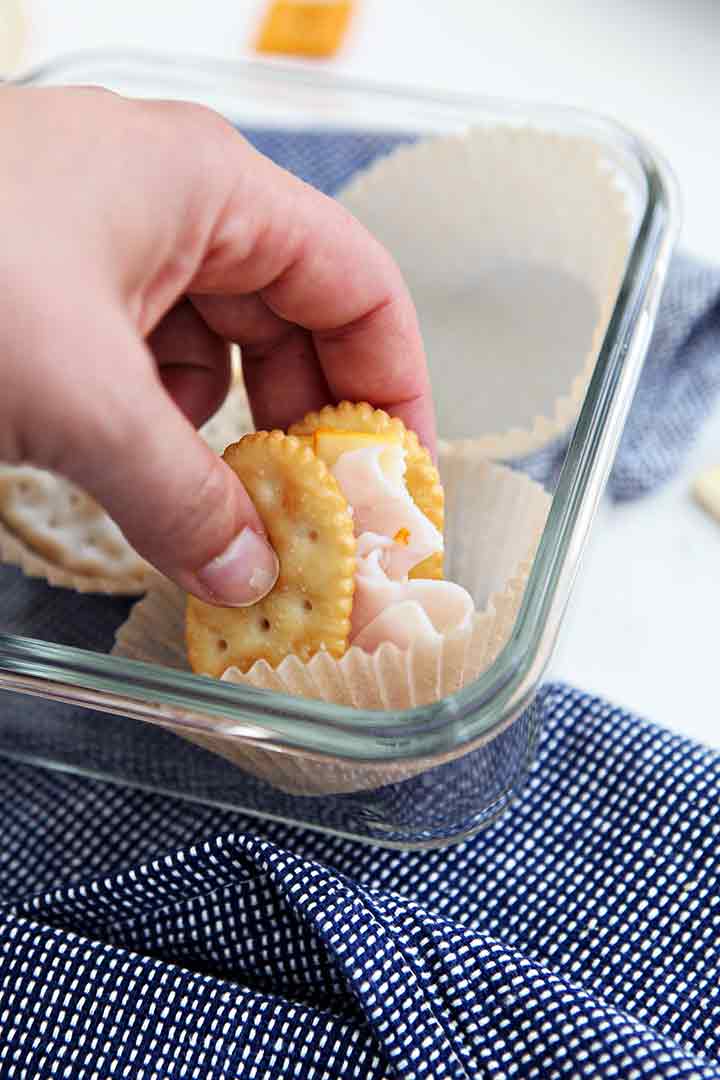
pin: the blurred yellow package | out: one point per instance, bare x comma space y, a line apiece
303, 28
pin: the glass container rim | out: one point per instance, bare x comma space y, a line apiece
296, 724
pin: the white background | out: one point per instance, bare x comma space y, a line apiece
642, 629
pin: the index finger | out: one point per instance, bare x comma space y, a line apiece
313, 265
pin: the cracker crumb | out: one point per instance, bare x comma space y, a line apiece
706, 489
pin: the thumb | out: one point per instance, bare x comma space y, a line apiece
178, 503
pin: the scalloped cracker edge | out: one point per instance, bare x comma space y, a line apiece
309, 525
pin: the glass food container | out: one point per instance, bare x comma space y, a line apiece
427, 775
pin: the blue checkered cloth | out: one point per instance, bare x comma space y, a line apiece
579, 936
679, 384
678, 389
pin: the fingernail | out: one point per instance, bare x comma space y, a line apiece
244, 573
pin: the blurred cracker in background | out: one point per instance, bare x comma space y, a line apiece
314, 28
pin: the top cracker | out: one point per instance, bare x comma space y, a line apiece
309, 526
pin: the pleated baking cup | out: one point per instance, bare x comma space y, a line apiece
232, 420
494, 519
51, 529
513, 243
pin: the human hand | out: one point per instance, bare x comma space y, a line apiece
139, 240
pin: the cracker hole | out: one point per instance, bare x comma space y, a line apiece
308, 605
265, 625
314, 535
222, 644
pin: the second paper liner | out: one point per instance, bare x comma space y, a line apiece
494, 520
513, 242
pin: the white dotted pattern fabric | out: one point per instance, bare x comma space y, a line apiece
579, 936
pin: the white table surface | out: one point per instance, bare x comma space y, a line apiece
642, 628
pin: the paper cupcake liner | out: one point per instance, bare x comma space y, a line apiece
513, 242
232, 420
136, 576
494, 521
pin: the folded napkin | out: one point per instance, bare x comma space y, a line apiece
578, 936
